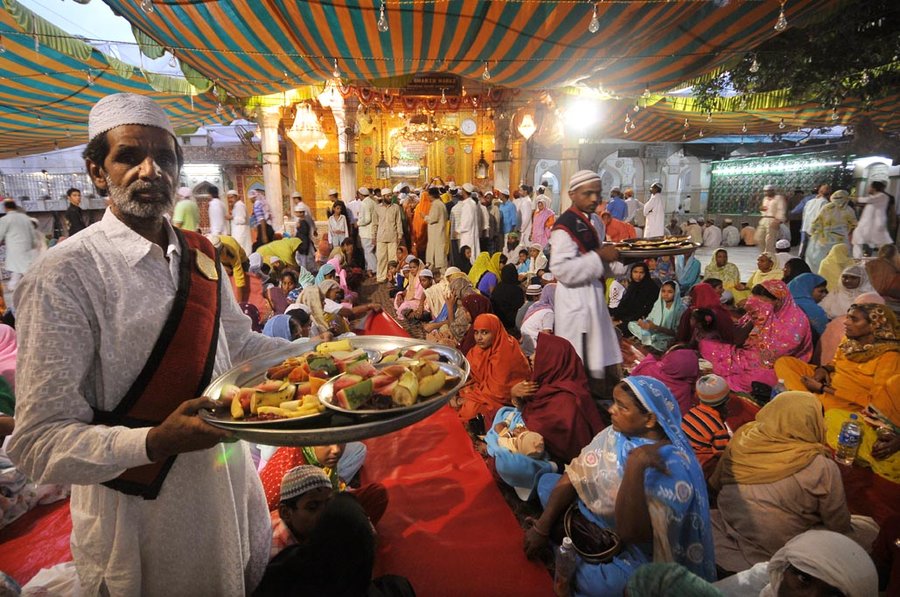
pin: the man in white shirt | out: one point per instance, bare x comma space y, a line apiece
218, 214
366, 226
353, 206
579, 260
525, 210
731, 236
872, 231
19, 234
99, 308
468, 224
774, 213
712, 234
810, 212
631, 204
655, 213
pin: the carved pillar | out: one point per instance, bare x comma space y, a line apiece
568, 167
269, 119
345, 119
502, 153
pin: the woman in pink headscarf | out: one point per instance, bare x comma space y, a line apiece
8, 348
778, 327
678, 368
542, 222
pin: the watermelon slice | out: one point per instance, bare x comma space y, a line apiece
363, 368
323, 365
351, 398
345, 381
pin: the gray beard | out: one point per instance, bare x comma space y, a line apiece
122, 199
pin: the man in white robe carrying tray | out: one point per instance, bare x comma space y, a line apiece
120, 328
579, 261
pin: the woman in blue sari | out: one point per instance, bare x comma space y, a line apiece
643, 454
688, 270
808, 290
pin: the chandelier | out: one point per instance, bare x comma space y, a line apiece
423, 129
306, 132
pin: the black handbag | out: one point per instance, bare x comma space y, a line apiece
594, 544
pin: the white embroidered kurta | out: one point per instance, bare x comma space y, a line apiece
525, 209
811, 211
581, 315
240, 230
467, 226
89, 315
655, 212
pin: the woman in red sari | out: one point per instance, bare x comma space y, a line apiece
704, 296
499, 371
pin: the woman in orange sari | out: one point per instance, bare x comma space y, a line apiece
499, 371
420, 226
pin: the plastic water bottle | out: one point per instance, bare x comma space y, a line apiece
565, 569
779, 388
848, 441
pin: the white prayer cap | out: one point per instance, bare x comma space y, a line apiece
401, 187
583, 177
363, 191
783, 244
385, 192
426, 273
297, 195
184, 192
126, 108
489, 194
215, 239
692, 221
332, 192
533, 290
299, 209
504, 191
451, 186
255, 260
469, 187
452, 270
231, 192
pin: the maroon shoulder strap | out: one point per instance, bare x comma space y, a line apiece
181, 363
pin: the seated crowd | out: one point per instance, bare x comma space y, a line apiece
701, 468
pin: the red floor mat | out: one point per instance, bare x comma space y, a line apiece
39, 539
447, 528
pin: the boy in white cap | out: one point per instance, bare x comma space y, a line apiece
579, 261
782, 252
704, 425
137, 317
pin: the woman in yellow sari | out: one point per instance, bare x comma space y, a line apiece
862, 377
485, 272
834, 264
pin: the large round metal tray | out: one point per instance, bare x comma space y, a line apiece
652, 252
329, 427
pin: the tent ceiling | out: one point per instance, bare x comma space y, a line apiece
260, 47
45, 97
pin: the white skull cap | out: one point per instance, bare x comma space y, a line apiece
121, 109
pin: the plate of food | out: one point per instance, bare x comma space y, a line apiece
287, 394
393, 388
656, 246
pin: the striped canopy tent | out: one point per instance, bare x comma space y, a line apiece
267, 46
664, 118
50, 81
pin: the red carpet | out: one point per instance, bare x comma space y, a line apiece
39, 539
447, 528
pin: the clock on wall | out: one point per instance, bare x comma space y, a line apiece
468, 127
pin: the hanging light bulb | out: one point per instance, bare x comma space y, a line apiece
709, 117
627, 119
382, 19
594, 27
68, 133
636, 108
632, 125
443, 97
626, 129
683, 136
173, 61
686, 123
486, 75
336, 73
2, 45
646, 93
781, 24
55, 145
147, 6
219, 108
90, 78
754, 66
744, 128
781, 124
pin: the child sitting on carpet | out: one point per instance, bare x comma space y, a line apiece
305, 491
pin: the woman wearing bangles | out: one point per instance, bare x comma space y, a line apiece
643, 454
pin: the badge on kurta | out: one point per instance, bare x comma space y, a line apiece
205, 265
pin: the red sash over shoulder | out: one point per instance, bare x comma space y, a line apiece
179, 366
580, 228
